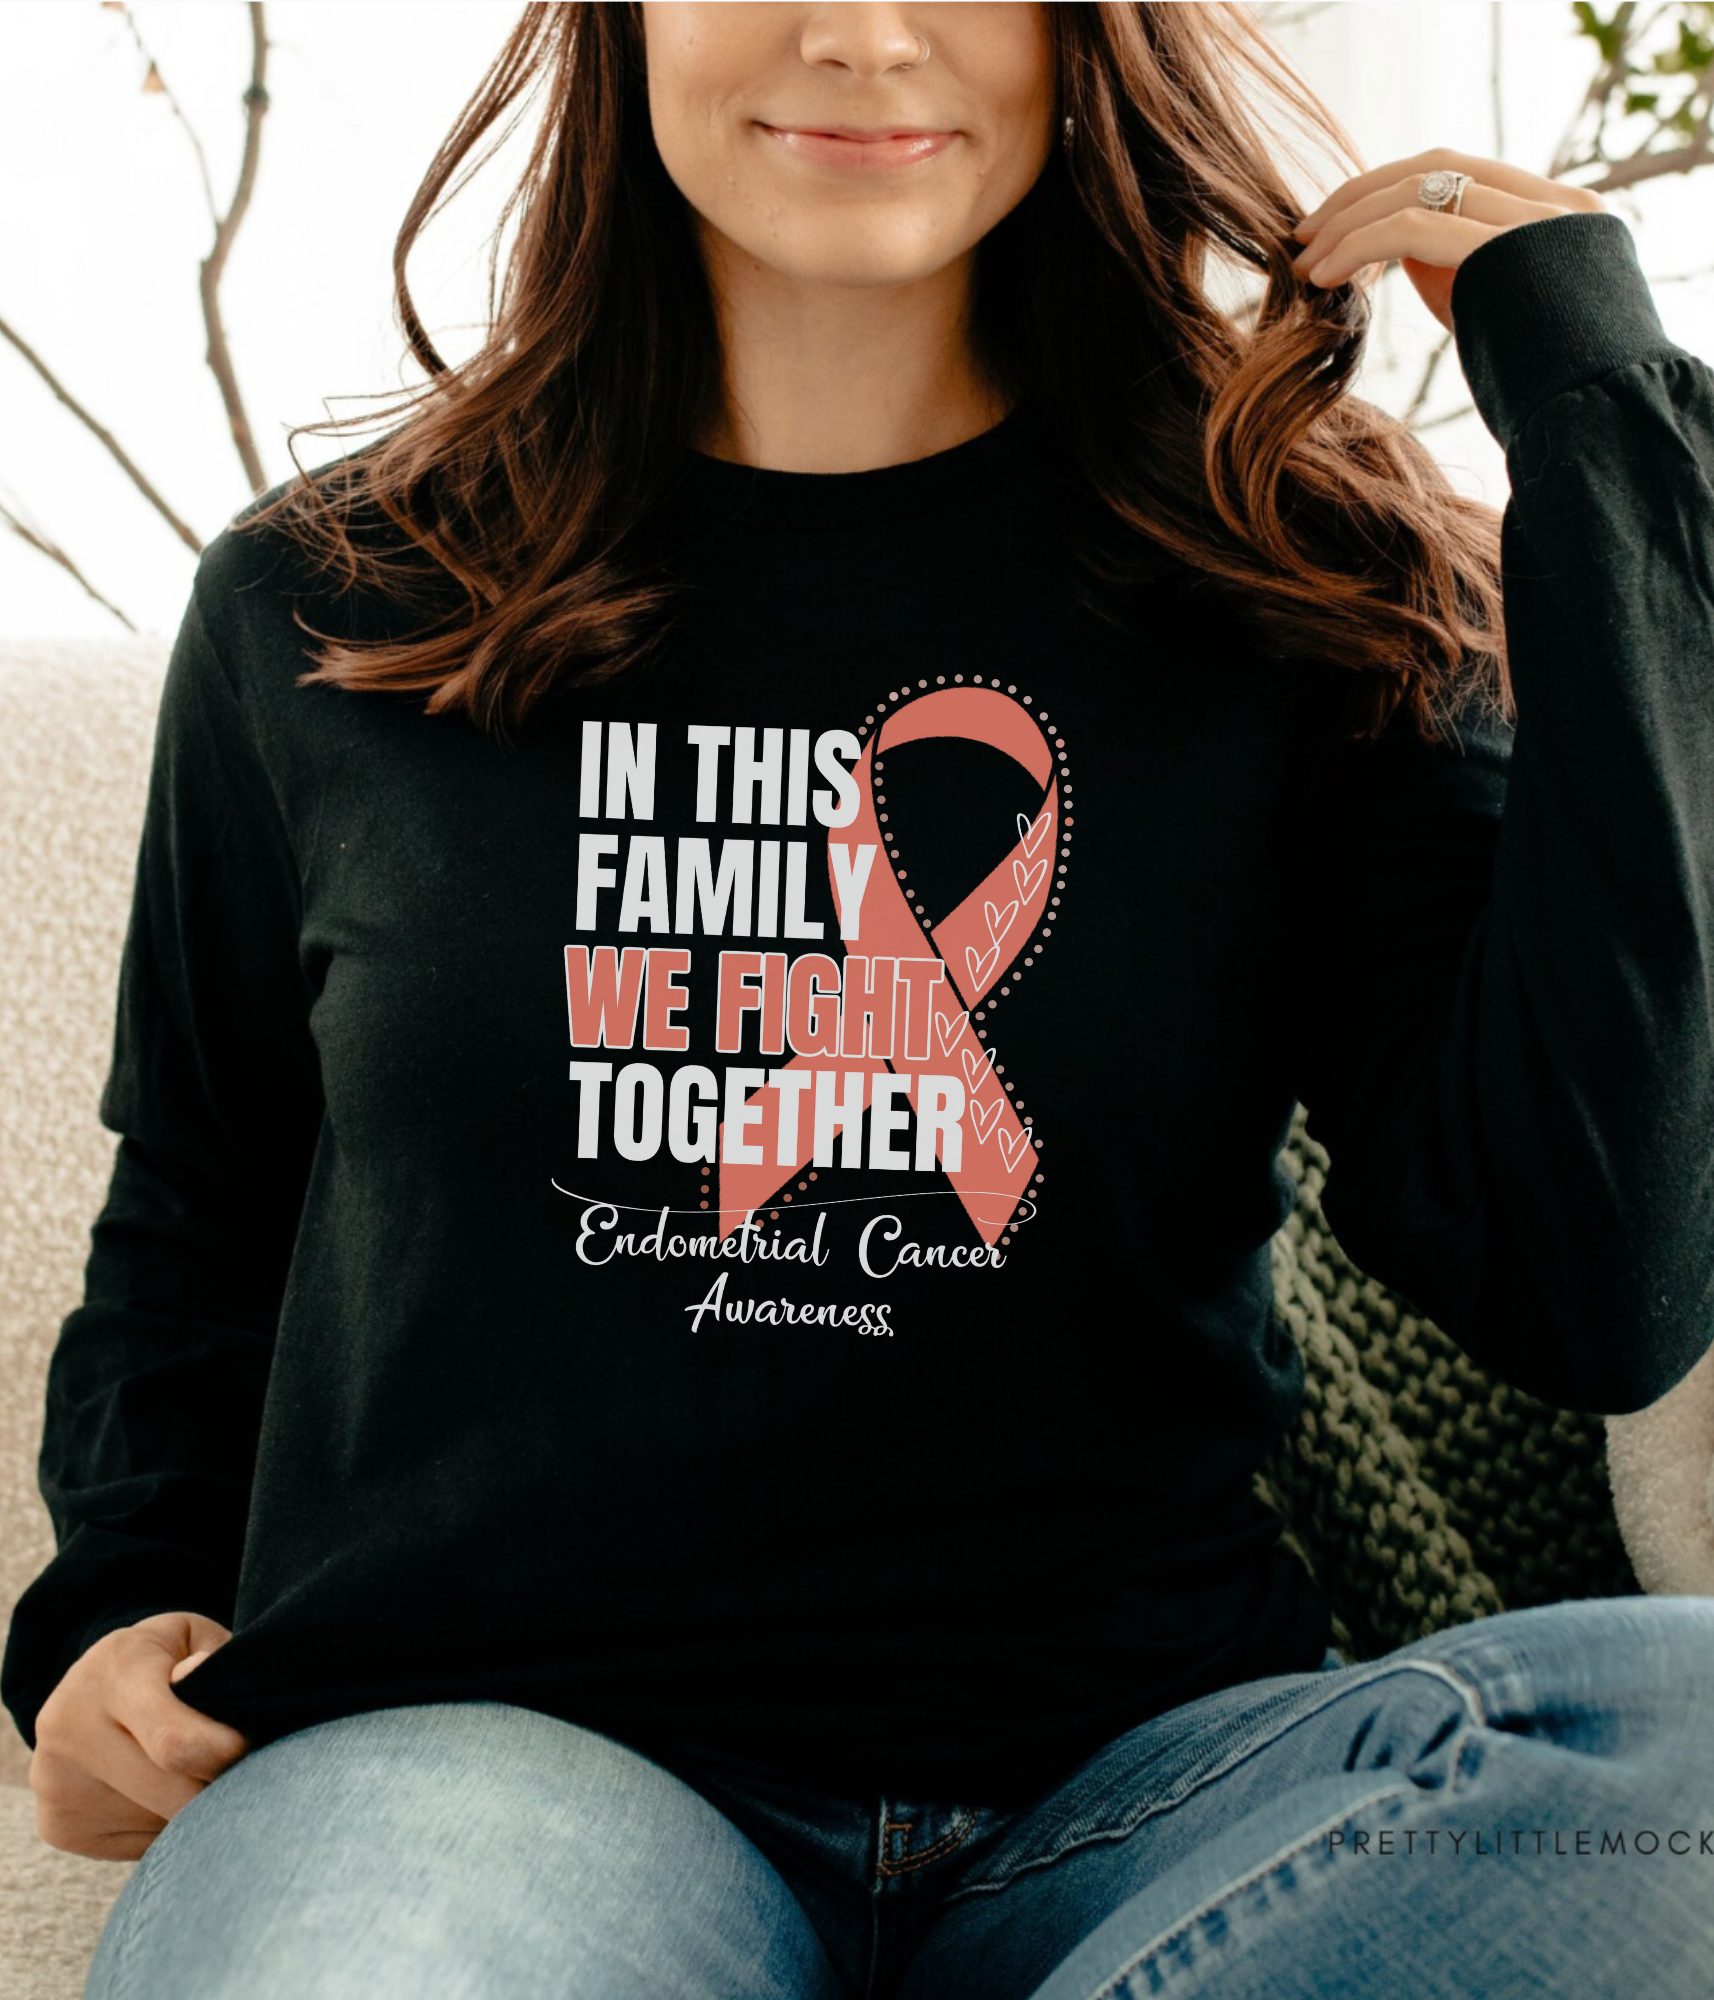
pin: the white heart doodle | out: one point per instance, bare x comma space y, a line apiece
980, 968
1028, 880
1030, 832
958, 1023
985, 1124
975, 1064
1011, 1153
1000, 921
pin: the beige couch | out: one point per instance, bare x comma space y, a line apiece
1420, 1491
76, 724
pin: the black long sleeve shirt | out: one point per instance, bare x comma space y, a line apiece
740, 1217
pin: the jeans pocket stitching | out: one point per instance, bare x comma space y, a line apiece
952, 1838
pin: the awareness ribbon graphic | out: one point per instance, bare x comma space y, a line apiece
976, 943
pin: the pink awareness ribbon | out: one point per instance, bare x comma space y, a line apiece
977, 943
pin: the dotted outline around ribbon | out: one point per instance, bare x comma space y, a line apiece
1044, 926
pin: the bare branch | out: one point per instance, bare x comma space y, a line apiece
1655, 166
177, 110
1445, 417
45, 545
104, 437
1441, 349
219, 353
1275, 15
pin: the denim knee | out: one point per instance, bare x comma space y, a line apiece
469, 1849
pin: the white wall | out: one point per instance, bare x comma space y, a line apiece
102, 226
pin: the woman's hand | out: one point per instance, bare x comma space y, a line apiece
117, 1752
1375, 217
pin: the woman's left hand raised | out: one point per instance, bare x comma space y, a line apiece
1375, 217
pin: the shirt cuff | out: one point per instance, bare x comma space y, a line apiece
1547, 306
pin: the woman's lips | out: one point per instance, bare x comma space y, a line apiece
863, 151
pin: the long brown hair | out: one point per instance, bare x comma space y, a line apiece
524, 481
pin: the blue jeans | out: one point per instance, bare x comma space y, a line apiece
1522, 1805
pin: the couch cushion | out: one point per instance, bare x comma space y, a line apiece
55, 1905
76, 729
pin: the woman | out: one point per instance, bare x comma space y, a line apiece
749, 1068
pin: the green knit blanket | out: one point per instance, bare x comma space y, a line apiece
1421, 1491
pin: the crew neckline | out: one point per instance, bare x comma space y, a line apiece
768, 496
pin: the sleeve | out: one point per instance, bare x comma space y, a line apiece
156, 1382
1506, 1044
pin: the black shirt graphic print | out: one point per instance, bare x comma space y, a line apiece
741, 1216
867, 1059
